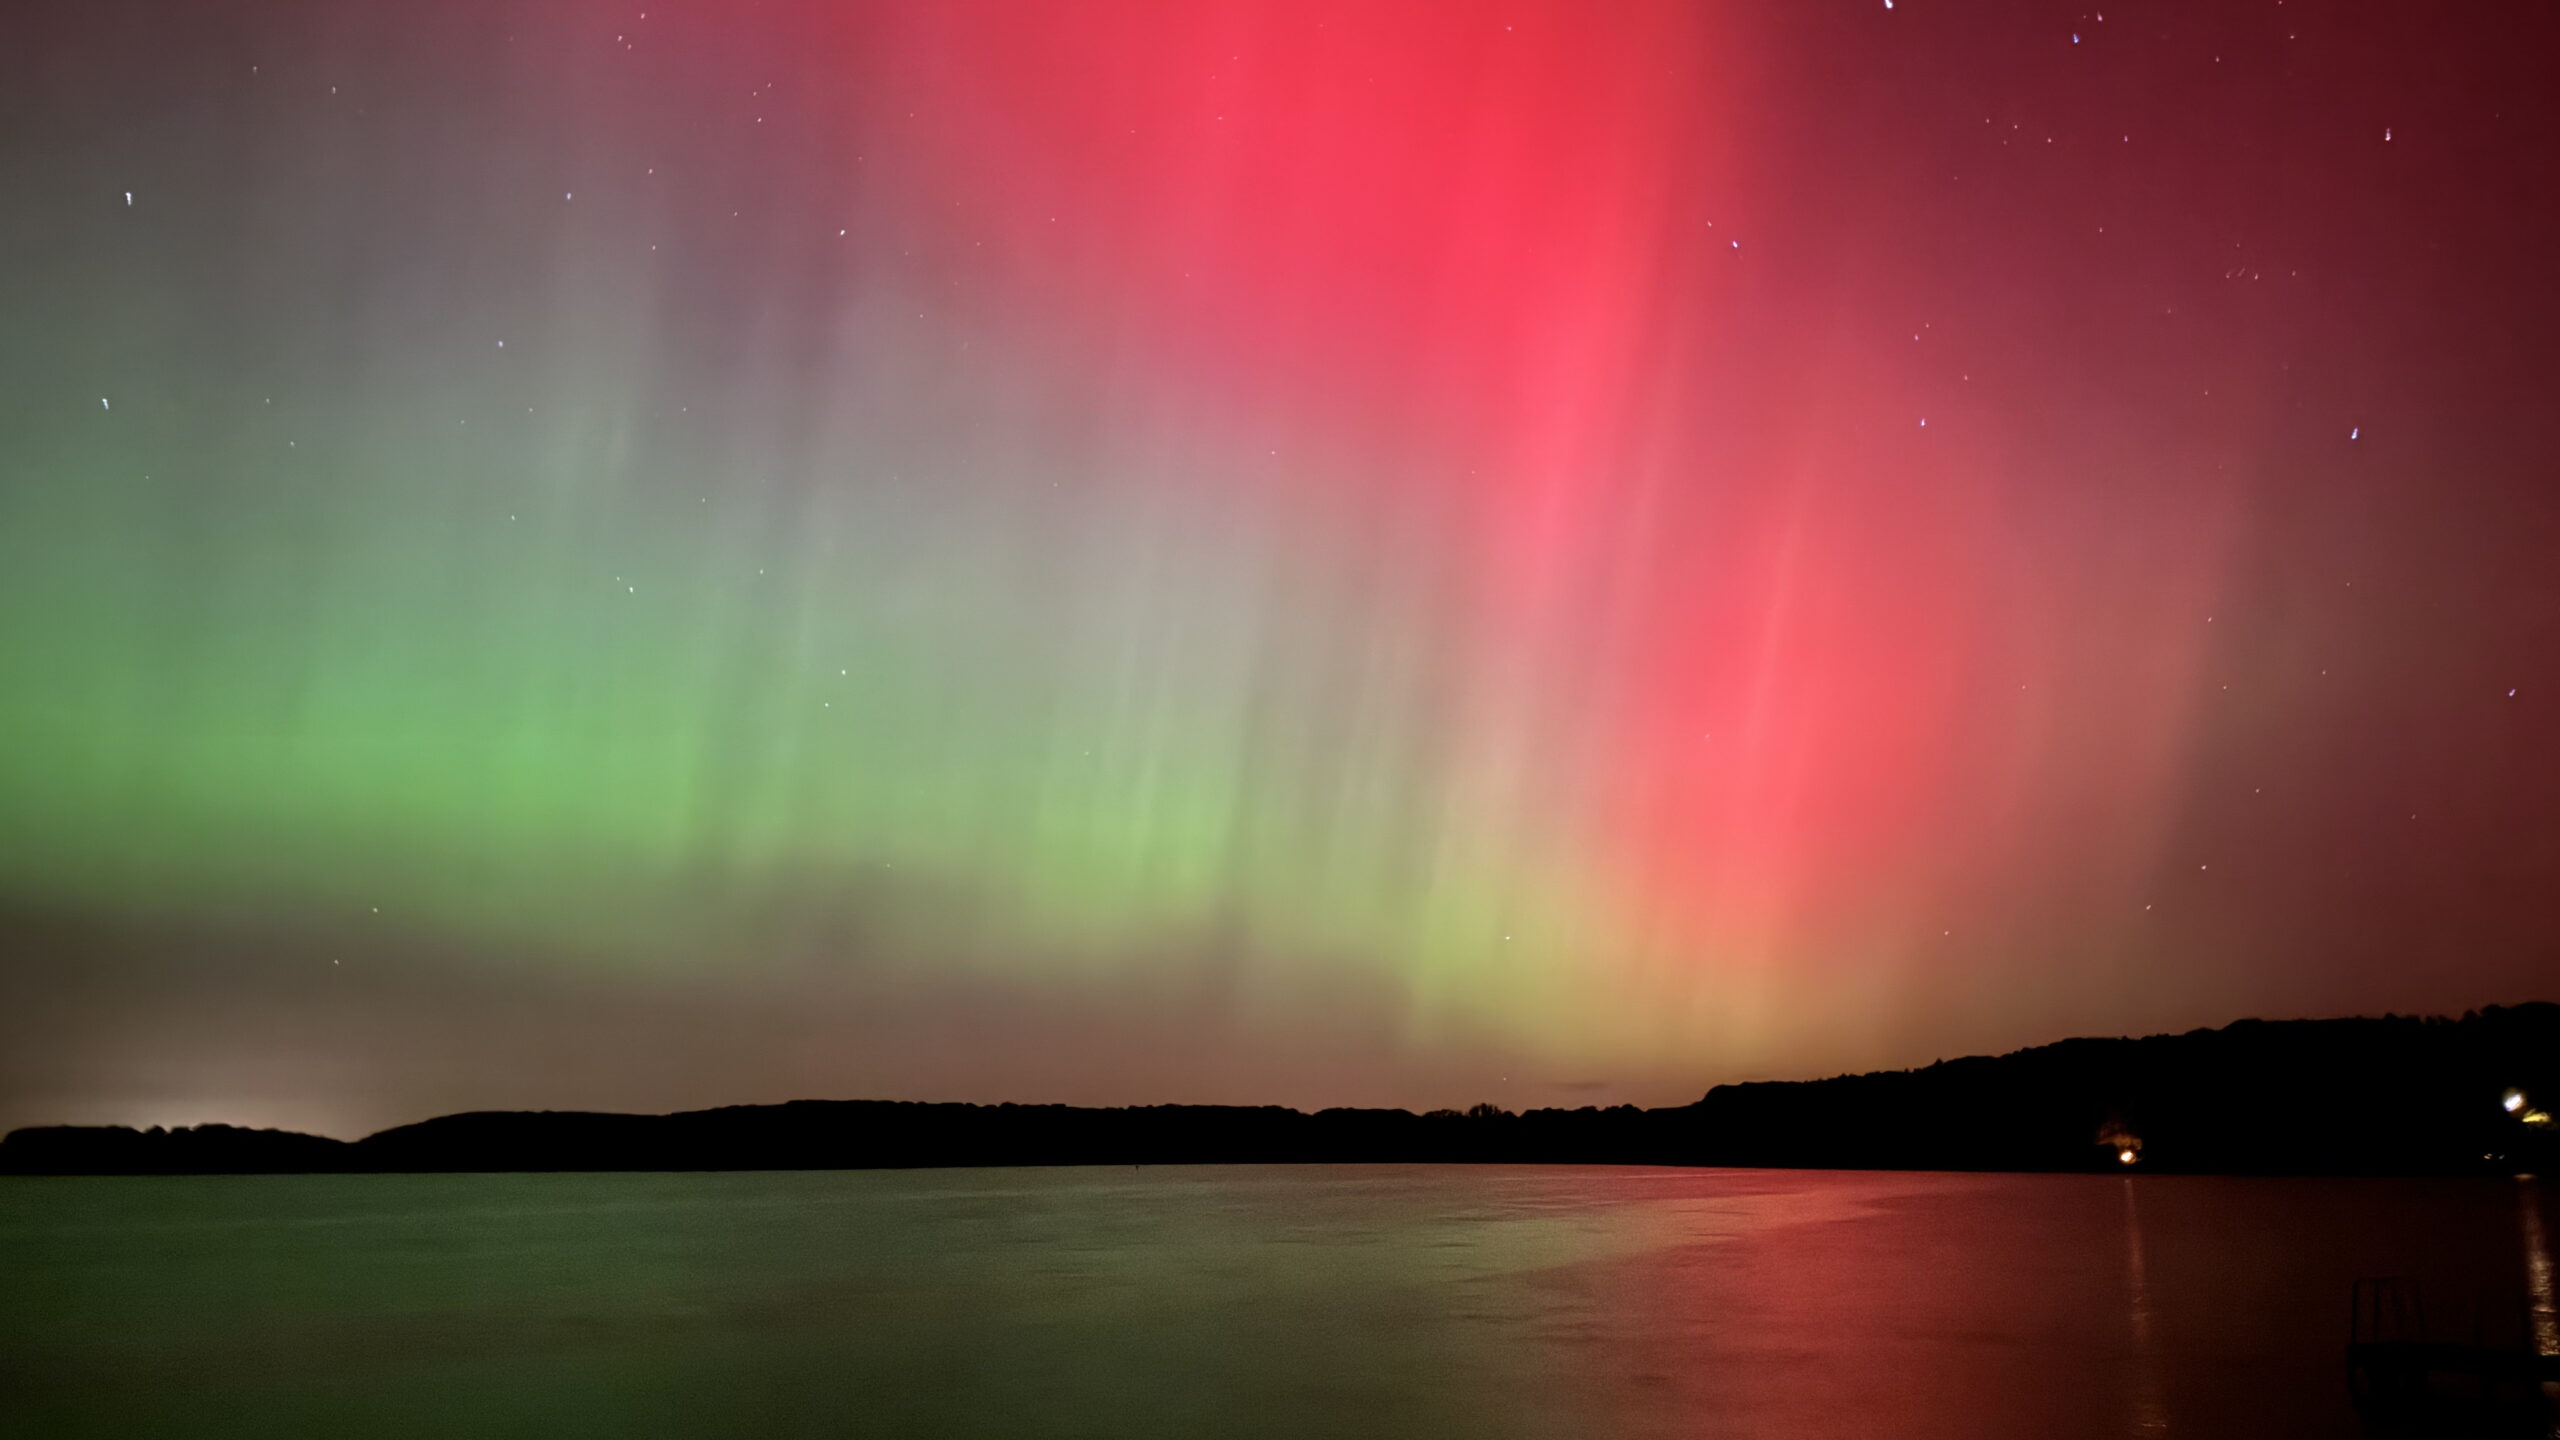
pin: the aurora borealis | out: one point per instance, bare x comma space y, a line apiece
666, 554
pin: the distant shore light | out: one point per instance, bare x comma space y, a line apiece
2513, 1102
2125, 1156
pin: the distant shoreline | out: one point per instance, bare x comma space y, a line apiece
2390, 1096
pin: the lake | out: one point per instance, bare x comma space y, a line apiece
1188, 1301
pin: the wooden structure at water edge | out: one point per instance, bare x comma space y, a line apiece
2486, 1378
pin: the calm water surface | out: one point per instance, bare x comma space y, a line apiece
1382, 1301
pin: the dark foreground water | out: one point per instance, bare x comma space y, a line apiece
1380, 1301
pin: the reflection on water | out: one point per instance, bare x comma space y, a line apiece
1358, 1301
2149, 1417
2537, 1269
2544, 1309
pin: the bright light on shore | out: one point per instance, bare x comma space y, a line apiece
2514, 1101
2125, 1157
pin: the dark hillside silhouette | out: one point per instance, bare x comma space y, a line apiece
2398, 1095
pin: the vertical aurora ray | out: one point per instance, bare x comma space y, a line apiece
1409, 521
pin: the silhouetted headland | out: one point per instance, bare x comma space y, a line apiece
2398, 1095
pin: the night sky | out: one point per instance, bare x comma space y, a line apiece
665, 554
